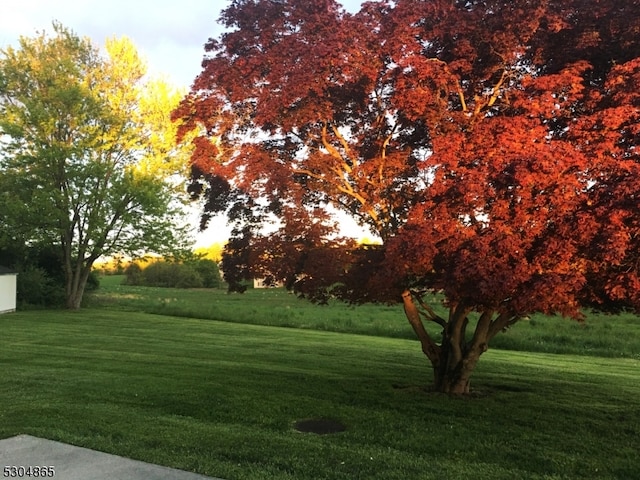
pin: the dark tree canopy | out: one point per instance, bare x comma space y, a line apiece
491, 145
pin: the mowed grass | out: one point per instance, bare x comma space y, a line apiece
599, 335
221, 398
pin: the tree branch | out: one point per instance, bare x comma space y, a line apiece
503, 321
333, 151
344, 144
430, 313
429, 347
495, 93
459, 91
457, 323
479, 340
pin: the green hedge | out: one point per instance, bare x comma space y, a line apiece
192, 274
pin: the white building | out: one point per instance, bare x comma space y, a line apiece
7, 290
262, 283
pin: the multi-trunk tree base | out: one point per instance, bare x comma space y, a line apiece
454, 359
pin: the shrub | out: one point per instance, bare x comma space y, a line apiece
171, 274
209, 272
192, 274
133, 274
93, 282
35, 287
187, 277
160, 274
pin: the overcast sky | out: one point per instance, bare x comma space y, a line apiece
169, 34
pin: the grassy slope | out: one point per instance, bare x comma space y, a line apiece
220, 398
602, 335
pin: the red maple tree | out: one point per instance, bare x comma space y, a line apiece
491, 145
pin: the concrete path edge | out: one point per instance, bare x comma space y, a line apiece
78, 463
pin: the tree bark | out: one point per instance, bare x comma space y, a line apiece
455, 359
76, 284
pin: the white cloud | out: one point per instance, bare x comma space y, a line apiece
169, 34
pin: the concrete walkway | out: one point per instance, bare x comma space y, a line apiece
77, 463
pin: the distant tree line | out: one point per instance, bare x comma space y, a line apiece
193, 273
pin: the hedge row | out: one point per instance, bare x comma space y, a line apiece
202, 273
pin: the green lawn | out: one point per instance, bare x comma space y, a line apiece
601, 335
220, 398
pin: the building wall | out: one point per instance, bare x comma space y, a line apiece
260, 283
7, 293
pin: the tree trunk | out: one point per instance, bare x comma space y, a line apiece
75, 287
455, 359
74, 300
453, 375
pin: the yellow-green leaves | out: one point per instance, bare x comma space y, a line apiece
143, 109
162, 155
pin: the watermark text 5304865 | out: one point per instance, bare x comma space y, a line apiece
20, 471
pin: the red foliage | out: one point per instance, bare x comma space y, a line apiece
492, 145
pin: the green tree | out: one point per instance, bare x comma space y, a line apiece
87, 159
209, 272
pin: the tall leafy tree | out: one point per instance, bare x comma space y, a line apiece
87, 152
491, 145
